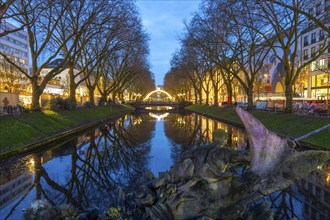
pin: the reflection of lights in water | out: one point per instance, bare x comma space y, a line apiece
137, 121
326, 168
158, 116
181, 121
158, 108
30, 165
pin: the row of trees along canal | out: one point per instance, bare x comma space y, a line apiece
227, 42
104, 40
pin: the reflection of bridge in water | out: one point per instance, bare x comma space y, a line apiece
158, 106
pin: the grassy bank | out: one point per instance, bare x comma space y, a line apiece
15, 132
284, 124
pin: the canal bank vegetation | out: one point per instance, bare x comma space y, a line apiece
292, 126
15, 132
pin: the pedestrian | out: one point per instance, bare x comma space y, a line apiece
5, 104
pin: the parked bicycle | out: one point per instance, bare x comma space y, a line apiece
12, 110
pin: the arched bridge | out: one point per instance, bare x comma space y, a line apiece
149, 104
158, 91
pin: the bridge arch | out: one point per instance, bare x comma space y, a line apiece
158, 90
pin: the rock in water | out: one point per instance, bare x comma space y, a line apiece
41, 209
266, 147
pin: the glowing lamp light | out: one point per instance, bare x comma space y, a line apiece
159, 116
158, 90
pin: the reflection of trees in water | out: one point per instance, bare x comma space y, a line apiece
283, 204
116, 157
185, 132
140, 127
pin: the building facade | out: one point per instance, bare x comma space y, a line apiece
59, 85
15, 44
315, 78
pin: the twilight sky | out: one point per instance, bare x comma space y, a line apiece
163, 21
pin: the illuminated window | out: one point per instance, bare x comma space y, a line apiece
313, 66
305, 54
321, 63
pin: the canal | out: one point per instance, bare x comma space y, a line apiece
87, 170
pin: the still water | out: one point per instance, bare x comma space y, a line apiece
87, 170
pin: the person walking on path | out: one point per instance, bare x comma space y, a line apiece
5, 104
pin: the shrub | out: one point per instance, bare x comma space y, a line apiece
69, 104
88, 104
54, 104
23, 109
60, 104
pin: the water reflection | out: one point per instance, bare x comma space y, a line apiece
187, 131
159, 116
316, 191
88, 169
15, 182
159, 108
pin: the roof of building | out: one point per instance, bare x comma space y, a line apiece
55, 63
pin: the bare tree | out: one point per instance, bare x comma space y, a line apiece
281, 32
301, 8
6, 14
247, 45
40, 19
10, 77
208, 35
123, 65
188, 64
84, 21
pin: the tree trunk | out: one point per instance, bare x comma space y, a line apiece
207, 97
72, 86
230, 136
196, 96
216, 99
113, 97
35, 105
250, 98
91, 95
200, 101
104, 97
288, 98
37, 167
230, 95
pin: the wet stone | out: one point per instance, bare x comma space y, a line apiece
142, 191
183, 170
159, 183
89, 214
148, 200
